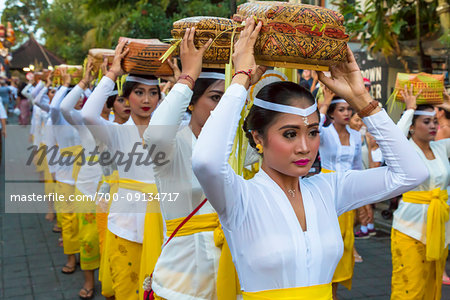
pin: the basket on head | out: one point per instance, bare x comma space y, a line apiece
297, 36
220, 30
97, 55
76, 74
143, 57
432, 86
38, 76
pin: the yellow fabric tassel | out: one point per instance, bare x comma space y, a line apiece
437, 216
120, 82
394, 105
170, 51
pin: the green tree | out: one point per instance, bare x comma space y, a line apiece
385, 25
16, 11
64, 30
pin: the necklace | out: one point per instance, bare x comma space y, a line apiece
292, 193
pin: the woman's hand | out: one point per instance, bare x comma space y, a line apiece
167, 87
66, 78
446, 96
116, 68
191, 57
327, 97
48, 80
176, 71
347, 82
104, 66
88, 75
410, 98
243, 56
315, 78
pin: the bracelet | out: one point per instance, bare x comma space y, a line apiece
188, 78
368, 109
248, 73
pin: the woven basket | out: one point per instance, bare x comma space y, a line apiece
294, 35
97, 55
431, 85
45, 73
76, 73
143, 57
218, 29
38, 76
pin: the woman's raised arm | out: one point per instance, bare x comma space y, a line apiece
224, 189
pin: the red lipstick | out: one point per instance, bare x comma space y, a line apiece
145, 108
301, 162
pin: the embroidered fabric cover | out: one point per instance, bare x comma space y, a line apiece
431, 85
218, 29
143, 57
296, 33
293, 35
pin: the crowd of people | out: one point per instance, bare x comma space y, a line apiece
281, 232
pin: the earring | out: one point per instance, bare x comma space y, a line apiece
191, 107
260, 148
411, 131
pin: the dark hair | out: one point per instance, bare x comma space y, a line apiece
282, 92
331, 110
447, 113
129, 86
202, 84
22, 85
421, 107
332, 107
110, 101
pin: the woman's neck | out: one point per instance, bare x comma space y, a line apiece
119, 120
443, 121
141, 123
286, 182
195, 128
105, 115
340, 128
423, 145
140, 120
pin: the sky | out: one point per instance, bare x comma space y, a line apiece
2, 6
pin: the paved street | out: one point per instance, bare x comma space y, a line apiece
30, 260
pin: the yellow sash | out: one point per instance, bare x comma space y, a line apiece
153, 233
74, 151
41, 167
344, 270
113, 181
227, 281
316, 292
131, 184
437, 215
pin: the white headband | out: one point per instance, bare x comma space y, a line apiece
113, 93
212, 75
338, 101
286, 108
424, 113
142, 80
